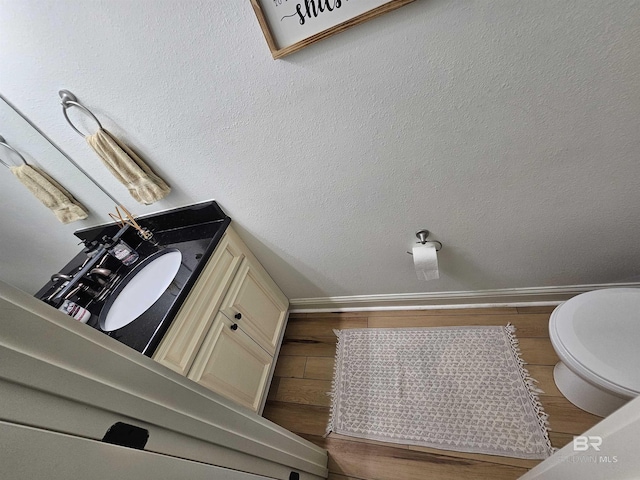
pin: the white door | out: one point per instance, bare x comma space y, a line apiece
607, 451
58, 375
29, 453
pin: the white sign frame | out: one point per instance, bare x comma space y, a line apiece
289, 25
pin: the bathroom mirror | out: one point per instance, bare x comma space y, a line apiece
33, 243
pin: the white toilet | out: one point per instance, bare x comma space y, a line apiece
597, 337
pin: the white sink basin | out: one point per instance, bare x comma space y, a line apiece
140, 289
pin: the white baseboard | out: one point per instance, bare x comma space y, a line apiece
505, 297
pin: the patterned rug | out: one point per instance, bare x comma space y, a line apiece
453, 388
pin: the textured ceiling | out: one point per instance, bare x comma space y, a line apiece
510, 129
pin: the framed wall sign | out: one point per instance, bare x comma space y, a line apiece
289, 25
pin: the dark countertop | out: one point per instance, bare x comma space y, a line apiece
195, 230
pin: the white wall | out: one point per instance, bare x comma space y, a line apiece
508, 128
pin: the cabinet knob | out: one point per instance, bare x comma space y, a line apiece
234, 326
238, 316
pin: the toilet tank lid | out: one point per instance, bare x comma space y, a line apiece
598, 334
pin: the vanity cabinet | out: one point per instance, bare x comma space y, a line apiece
229, 328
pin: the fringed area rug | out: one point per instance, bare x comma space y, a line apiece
453, 388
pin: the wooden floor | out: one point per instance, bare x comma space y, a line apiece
298, 398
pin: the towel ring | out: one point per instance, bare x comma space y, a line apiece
70, 100
5, 144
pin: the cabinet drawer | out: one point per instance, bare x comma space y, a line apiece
256, 304
232, 364
187, 332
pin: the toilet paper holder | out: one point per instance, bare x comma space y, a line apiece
422, 236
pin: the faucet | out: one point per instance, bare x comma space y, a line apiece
72, 280
100, 275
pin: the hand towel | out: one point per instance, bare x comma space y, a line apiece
143, 185
50, 193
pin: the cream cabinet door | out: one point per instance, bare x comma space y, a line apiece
187, 332
256, 304
232, 364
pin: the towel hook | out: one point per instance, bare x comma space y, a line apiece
70, 100
4, 143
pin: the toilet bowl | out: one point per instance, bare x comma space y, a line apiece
596, 335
